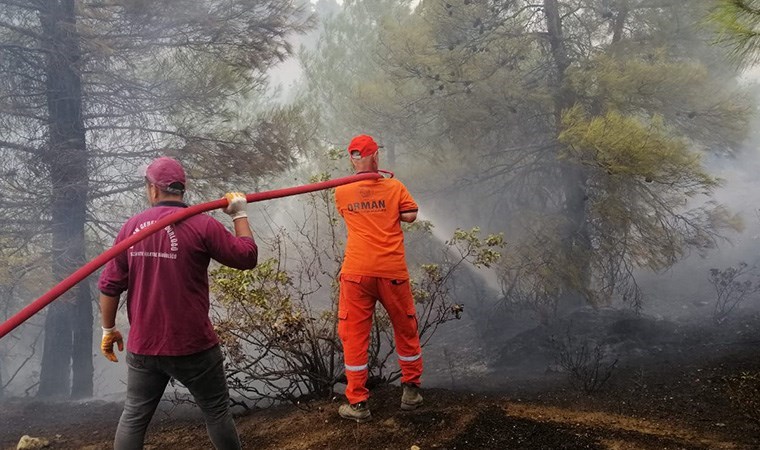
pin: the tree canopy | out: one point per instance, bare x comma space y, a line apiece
738, 25
579, 126
91, 90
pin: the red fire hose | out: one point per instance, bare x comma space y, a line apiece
69, 282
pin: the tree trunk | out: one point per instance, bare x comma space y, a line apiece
619, 23
575, 236
68, 325
83, 370
390, 151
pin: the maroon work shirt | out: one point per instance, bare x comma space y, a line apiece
166, 279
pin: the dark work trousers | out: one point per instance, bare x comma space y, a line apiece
201, 373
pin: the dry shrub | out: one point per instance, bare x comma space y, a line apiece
587, 365
744, 392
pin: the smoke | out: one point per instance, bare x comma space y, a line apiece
684, 289
681, 292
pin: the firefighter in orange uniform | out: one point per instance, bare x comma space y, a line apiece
374, 268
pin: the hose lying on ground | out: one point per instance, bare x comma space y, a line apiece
69, 282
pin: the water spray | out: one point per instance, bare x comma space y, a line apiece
86, 270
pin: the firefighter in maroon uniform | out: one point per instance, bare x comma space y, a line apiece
170, 333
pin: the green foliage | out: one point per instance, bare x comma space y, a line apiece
432, 288
641, 172
188, 79
345, 79
320, 178
260, 287
91, 91
335, 154
478, 251
279, 333
738, 28
682, 93
21, 278
278, 347
630, 149
419, 226
432, 283
583, 141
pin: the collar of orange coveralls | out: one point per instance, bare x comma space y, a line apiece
384, 173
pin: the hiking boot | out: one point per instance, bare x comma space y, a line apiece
411, 398
358, 412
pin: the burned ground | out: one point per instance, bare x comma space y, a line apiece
676, 396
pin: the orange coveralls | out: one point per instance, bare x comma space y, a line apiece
374, 268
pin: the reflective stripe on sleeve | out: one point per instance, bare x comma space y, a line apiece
410, 358
356, 368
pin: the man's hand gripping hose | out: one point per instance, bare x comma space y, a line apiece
236, 205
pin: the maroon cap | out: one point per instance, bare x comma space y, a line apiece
166, 173
364, 144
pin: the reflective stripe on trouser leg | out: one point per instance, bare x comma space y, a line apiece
356, 368
396, 297
355, 308
356, 382
410, 358
411, 368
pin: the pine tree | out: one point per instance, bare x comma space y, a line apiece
90, 91
738, 26
578, 126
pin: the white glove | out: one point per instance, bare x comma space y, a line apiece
236, 205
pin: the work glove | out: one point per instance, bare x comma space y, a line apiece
236, 205
111, 336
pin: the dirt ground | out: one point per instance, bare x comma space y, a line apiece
666, 406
